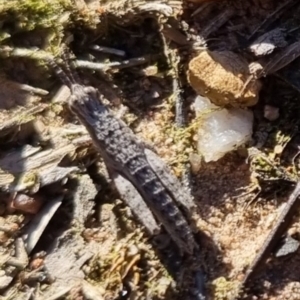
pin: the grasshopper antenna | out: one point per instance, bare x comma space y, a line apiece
61, 74
70, 66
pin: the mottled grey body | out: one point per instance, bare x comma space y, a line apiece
124, 154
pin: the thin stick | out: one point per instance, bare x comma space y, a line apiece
82, 64
274, 235
107, 50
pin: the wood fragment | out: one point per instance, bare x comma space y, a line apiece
43, 158
29, 88
28, 160
21, 117
40, 222
62, 95
69, 252
55, 174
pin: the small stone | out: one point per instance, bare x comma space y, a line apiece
268, 42
290, 246
195, 161
222, 76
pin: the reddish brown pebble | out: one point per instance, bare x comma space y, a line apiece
26, 203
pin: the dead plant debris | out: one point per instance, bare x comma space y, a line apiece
64, 233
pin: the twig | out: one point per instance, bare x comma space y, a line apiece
113, 65
274, 235
29, 88
42, 55
173, 61
107, 50
217, 22
201, 8
283, 58
7, 51
179, 103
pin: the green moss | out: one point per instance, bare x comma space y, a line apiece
45, 20
31, 14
